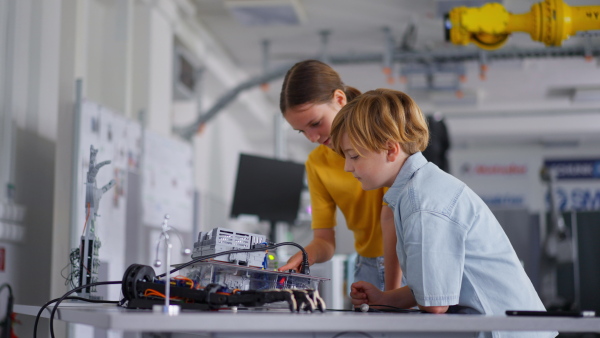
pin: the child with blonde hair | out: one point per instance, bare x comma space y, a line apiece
453, 253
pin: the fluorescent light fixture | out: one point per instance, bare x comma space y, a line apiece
266, 12
560, 143
586, 94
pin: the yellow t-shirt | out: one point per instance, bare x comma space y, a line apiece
330, 186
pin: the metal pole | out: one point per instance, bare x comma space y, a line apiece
168, 273
167, 309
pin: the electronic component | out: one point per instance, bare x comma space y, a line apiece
142, 290
84, 260
235, 276
229, 268
221, 239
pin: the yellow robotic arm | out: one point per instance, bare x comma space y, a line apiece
489, 26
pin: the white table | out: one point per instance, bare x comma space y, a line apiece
246, 323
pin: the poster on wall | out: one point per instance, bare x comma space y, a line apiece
168, 184
501, 183
577, 183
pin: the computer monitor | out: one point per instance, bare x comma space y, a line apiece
268, 188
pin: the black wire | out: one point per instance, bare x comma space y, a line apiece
6, 323
341, 310
303, 234
6, 285
67, 294
393, 309
303, 268
349, 332
37, 318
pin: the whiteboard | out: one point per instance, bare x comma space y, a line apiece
168, 184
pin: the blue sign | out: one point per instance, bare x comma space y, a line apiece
576, 199
575, 169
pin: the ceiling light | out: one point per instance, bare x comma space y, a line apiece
266, 12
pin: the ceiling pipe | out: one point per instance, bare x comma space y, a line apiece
188, 132
323, 54
439, 56
388, 55
266, 44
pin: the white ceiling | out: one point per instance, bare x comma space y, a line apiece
356, 28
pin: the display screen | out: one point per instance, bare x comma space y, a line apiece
268, 188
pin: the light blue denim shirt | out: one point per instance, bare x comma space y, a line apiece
452, 249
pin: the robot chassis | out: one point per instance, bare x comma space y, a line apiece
235, 278
141, 289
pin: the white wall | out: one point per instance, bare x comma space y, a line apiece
524, 181
507, 175
109, 53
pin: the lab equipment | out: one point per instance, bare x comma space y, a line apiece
489, 26
85, 260
221, 239
228, 269
268, 188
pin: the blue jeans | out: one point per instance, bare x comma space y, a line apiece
370, 270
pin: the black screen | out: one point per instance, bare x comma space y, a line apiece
268, 188
439, 143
